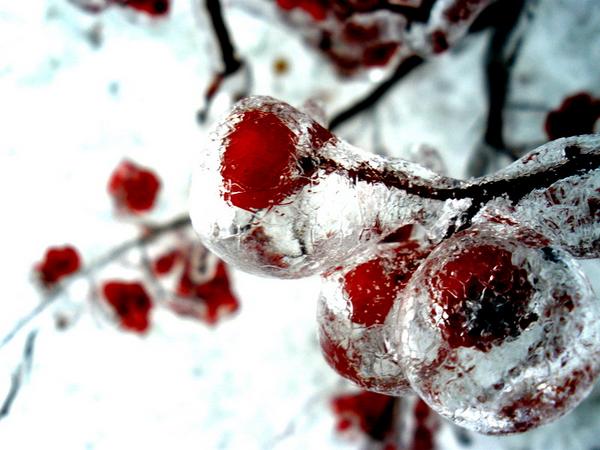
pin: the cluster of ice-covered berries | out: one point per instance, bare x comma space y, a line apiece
466, 292
357, 35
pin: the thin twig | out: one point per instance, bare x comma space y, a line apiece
403, 69
502, 54
151, 233
231, 64
19, 374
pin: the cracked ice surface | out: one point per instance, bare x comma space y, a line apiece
186, 386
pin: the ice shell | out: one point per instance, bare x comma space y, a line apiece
276, 194
353, 307
498, 336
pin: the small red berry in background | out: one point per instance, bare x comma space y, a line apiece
213, 295
151, 7
133, 188
576, 115
317, 9
372, 413
131, 302
165, 263
58, 263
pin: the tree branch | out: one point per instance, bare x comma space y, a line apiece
499, 64
150, 234
230, 62
18, 375
403, 69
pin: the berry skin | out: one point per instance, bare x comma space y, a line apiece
353, 308
209, 299
484, 298
131, 302
58, 263
373, 286
258, 162
133, 188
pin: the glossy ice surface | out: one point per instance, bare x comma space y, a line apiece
466, 291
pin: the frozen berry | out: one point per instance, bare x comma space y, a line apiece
497, 335
353, 308
258, 161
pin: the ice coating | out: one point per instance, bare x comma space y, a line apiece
270, 198
467, 289
497, 335
353, 306
279, 195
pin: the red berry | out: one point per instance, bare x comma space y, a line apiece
317, 9
439, 42
461, 10
131, 302
151, 7
373, 286
379, 55
258, 162
213, 297
357, 32
58, 263
484, 298
576, 115
364, 295
287, 4
340, 359
164, 264
133, 188
372, 413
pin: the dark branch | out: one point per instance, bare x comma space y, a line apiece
15, 386
513, 187
231, 64
403, 69
499, 64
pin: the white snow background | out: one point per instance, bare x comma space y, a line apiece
71, 110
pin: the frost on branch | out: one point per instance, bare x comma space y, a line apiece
465, 291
